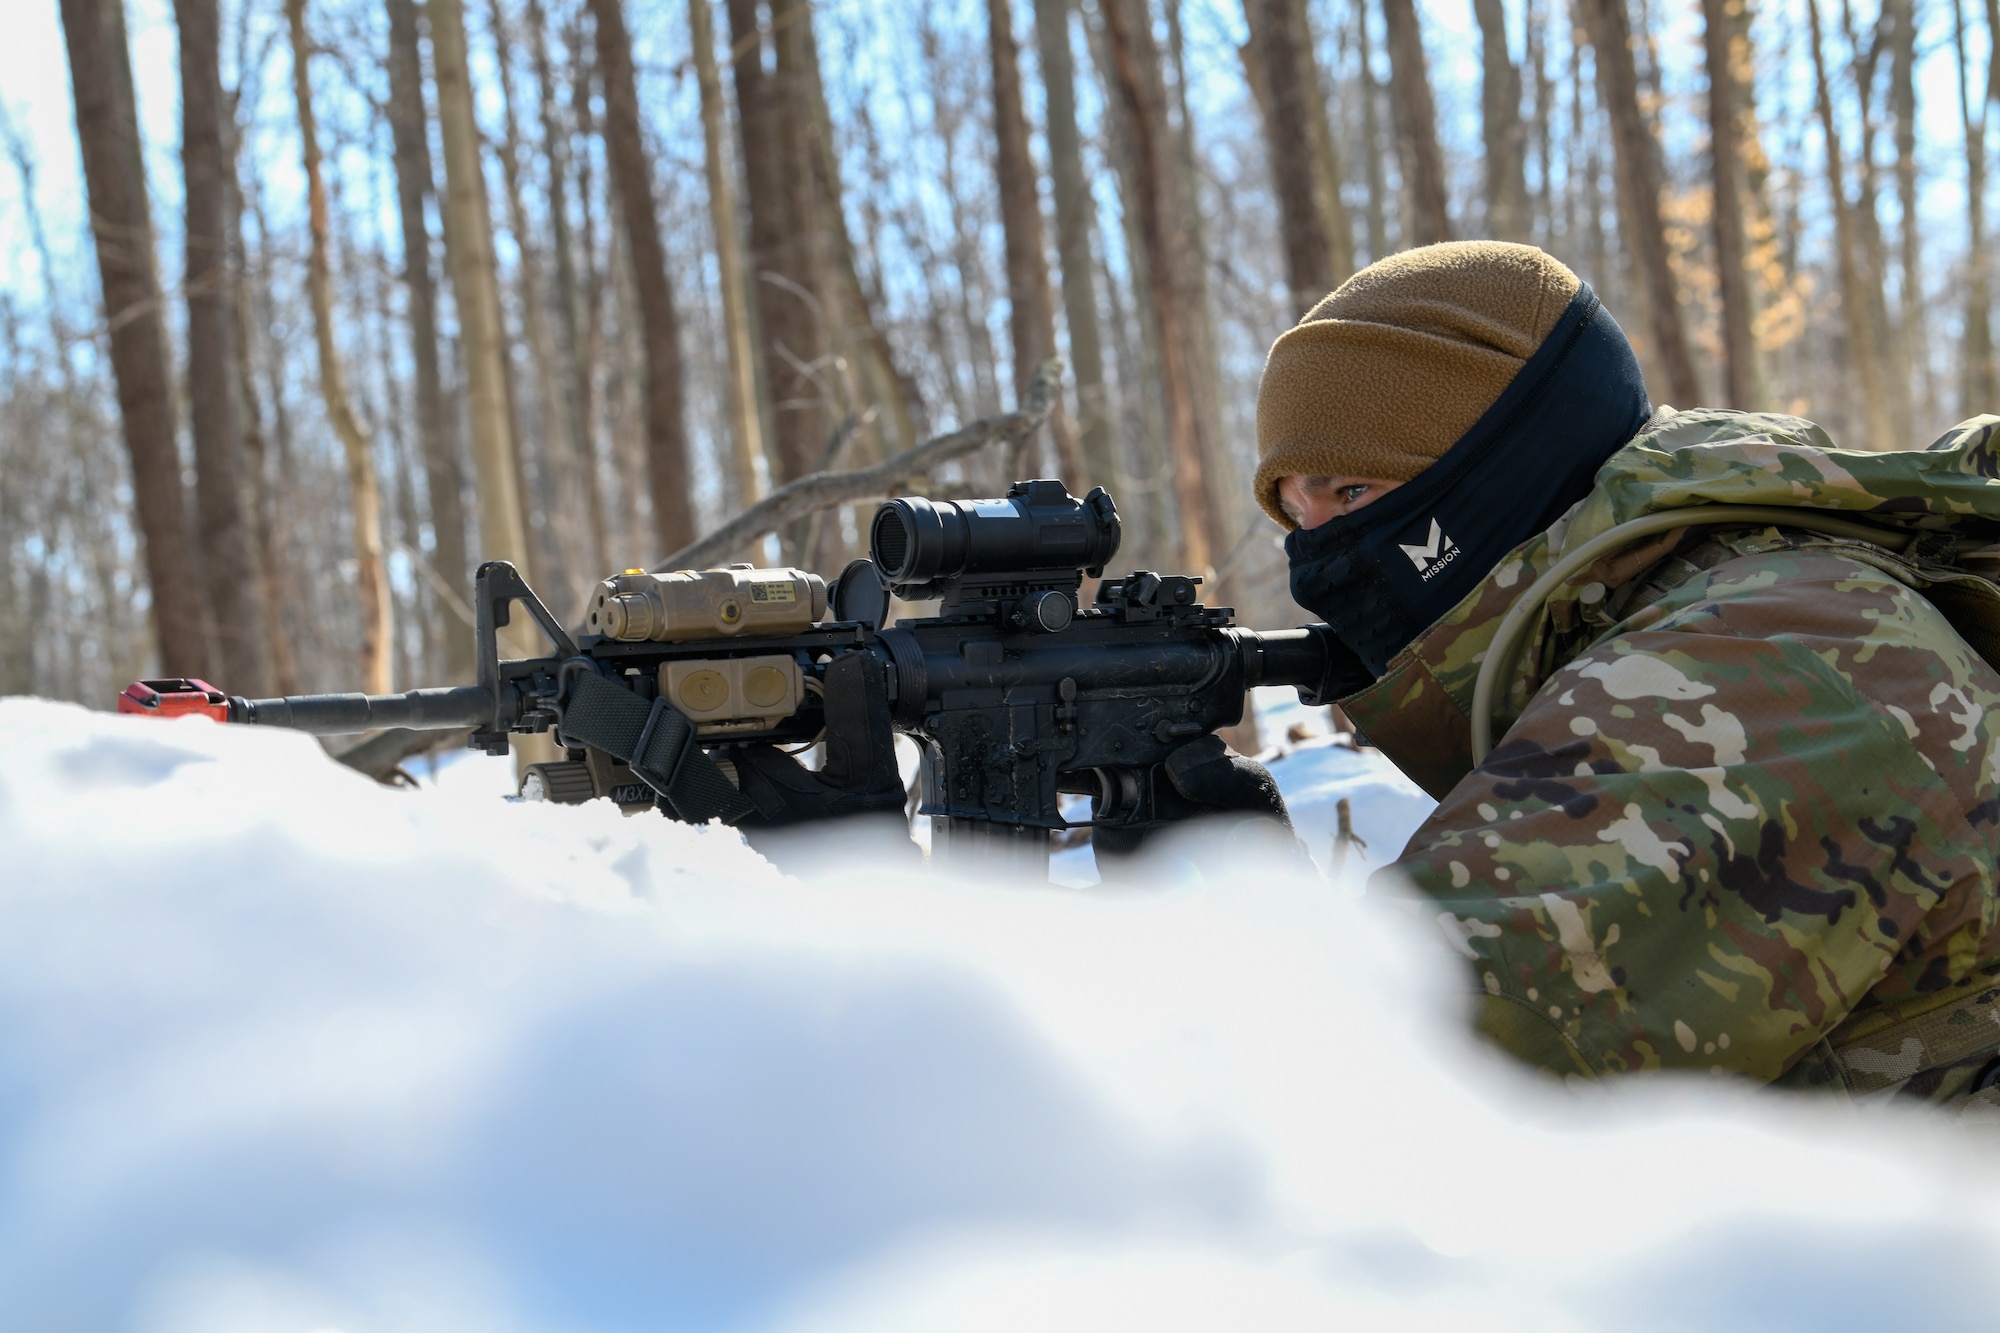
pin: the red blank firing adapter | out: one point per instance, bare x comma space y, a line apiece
174, 698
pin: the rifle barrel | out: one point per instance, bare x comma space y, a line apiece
444, 709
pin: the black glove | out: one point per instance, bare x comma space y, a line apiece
859, 775
1205, 778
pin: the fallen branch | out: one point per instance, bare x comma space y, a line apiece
381, 755
823, 490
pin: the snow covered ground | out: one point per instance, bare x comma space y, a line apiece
282, 1050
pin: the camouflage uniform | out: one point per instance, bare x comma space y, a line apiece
1745, 814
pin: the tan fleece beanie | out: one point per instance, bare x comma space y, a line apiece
1383, 376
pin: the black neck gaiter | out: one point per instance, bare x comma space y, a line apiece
1382, 576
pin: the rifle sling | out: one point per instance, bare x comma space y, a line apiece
658, 741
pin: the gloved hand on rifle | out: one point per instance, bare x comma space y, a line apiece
1206, 780
859, 775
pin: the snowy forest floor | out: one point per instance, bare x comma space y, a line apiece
281, 1049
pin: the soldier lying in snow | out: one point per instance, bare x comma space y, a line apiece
1745, 812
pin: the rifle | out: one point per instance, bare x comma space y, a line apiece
1013, 691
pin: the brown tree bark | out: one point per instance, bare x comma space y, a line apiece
1332, 171
1371, 136
121, 224
256, 461
1540, 131
1230, 512
590, 280
786, 240
1073, 228
371, 581
859, 330
230, 560
1146, 122
569, 298
1864, 353
1501, 128
1277, 57
1145, 459
1872, 248
1903, 104
416, 182
1636, 163
1587, 193
1415, 116
559, 492
632, 174
746, 413
1981, 381
468, 243
1031, 316
1727, 54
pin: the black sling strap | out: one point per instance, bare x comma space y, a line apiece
658, 741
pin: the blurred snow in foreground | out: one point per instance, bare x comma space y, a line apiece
284, 1050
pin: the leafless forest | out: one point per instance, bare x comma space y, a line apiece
575, 282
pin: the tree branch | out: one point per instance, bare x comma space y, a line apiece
823, 490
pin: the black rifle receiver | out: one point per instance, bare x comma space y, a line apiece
1015, 692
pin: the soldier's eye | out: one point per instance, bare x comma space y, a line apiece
1352, 494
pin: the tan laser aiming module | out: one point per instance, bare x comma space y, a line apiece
689, 605
721, 694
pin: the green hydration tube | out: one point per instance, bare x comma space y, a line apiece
1498, 667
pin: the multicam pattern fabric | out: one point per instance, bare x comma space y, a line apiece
1745, 815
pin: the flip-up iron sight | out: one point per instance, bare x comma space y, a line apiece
1021, 558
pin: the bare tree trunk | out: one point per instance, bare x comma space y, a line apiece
1371, 134
575, 396
561, 491
590, 282
371, 582
1903, 104
1872, 250
746, 418
1073, 226
121, 223
1277, 57
229, 558
1982, 383
263, 501
1728, 70
784, 243
1146, 120
1861, 346
625, 148
289, 593
1584, 144
1031, 318
1228, 504
857, 329
1541, 129
1332, 172
444, 480
1415, 116
1145, 457
1505, 137
468, 243
1636, 160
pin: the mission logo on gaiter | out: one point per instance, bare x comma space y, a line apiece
1431, 558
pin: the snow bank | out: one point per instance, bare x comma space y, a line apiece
282, 1050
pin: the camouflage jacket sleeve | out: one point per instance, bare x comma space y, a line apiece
1746, 811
